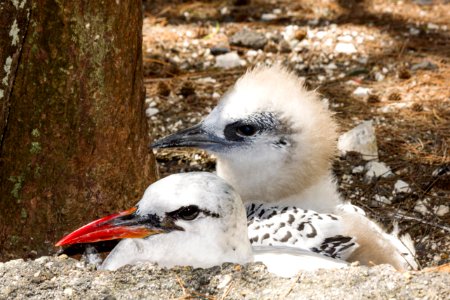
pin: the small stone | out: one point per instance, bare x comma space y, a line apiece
151, 111
420, 207
229, 60
358, 169
345, 38
378, 76
320, 34
362, 92
375, 169
414, 31
441, 210
224, 281
425, 65
68, 292
63, 256
360, 139
401, 187
219, 50
250, 39
345, 48
268, 17
432, 26
382, 199
300, 34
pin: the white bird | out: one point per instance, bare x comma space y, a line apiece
274, 142
190, 219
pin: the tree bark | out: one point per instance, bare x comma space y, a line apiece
73, 130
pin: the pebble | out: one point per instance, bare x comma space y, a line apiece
224, 281
358, 169
414, 31
360, 139
289, 32
425, 65
345, 48
401, 187
421, 208
320, 34
68, 292
248, 38
375, 169
229, 60
151, 111
382, 199
362, 92
219, 50
379, 77
345, 38
441, 210
268, 17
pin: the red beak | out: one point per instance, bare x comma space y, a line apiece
121, 225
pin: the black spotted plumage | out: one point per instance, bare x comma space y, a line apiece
305, 229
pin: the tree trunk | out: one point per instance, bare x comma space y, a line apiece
73, 130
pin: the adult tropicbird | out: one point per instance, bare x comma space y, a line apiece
190, 219
274, 142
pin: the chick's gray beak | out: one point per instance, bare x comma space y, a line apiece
195, 137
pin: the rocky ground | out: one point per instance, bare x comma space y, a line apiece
66, 278
384, 61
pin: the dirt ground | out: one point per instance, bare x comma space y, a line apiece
400, 50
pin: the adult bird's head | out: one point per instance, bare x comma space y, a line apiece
180, 220
272, 137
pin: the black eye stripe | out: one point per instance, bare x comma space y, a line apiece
239, 130
189, 213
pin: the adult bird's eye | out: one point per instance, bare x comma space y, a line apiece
246, 130
189, 213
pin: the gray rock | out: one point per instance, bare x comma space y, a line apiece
360, 139
219, 50
67, 278
375, 169
425, 65
249, 39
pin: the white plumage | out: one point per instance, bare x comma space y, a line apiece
274, 142
191, 219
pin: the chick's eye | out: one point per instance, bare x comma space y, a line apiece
189, 213
246, 130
